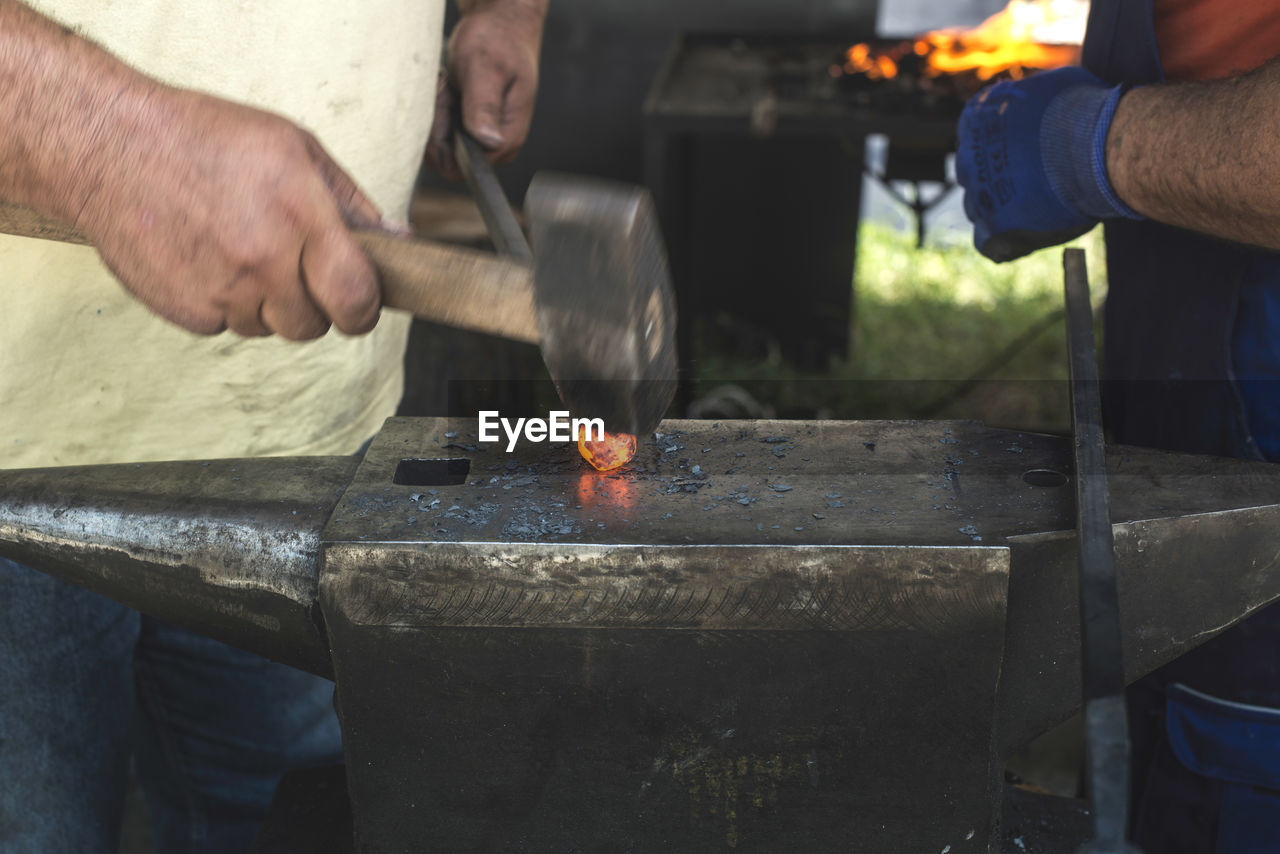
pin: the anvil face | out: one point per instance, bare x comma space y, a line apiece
722, 483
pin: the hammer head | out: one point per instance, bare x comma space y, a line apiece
605, 306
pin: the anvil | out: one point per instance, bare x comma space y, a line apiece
758, 636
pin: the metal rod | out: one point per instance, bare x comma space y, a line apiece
499, 218
1105, 722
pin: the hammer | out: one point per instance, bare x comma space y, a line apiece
596, 296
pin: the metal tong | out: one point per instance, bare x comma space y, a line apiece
1106, 728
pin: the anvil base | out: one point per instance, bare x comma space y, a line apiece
311, 812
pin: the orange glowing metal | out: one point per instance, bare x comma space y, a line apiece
607, 454
605, 494
1026, 34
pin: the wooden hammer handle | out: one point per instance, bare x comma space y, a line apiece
444, 284
25, 222
454, 286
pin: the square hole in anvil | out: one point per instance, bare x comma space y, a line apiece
415, 472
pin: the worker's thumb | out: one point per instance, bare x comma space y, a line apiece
357, 209
483, 96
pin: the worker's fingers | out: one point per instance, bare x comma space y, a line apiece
340, 280
243, 307
517, 115
399, 229
198, 322
356, 208
484, 87
288, 309
161, 295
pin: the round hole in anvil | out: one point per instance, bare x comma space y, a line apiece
1044, 477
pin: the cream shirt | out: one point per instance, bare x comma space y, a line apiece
89, 375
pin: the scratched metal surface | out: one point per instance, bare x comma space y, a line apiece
909, 483
748, 526
729, 482
228, 548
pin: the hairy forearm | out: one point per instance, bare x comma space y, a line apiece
1204, 156
63, 105
215, 215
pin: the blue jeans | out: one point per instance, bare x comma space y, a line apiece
87, 685
1193, 802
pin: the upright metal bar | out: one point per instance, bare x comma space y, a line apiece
495, 209
1105, 724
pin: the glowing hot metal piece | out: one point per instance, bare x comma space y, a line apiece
607, 454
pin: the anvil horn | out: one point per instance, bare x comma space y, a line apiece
228, 548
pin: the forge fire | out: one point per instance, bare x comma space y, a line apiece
1025, 36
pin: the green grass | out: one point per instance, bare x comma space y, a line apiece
925, 321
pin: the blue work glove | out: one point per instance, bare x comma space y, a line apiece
1031, 156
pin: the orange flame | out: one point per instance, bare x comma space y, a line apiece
859, 59
1026, 34
610, 452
